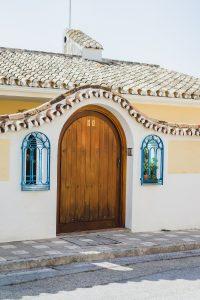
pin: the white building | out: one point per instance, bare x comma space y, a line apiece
90, 143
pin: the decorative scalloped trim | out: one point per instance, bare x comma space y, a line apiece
58, 106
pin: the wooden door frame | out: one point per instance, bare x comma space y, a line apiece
117, 125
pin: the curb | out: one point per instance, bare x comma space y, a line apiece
56, 260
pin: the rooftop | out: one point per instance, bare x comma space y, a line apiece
60, 71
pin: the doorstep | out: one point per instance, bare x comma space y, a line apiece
92, 246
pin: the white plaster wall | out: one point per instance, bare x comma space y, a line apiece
175, 205
72, 48
92, 54
32, 215
25, 215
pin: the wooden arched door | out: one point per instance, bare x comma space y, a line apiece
90, 173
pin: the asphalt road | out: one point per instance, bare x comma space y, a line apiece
171, 276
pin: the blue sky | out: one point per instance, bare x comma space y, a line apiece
165, 32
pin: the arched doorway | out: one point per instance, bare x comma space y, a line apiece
91, 172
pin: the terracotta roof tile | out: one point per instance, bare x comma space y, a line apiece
51, 70
82, 39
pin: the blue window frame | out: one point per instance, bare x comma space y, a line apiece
35, 162
152, 158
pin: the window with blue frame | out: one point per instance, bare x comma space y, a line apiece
152, 158
35, 162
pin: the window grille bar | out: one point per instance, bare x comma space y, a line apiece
40, 167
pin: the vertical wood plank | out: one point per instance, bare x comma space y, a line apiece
94, 163
80, 174
112, 170
66, 168
103, 172
73, 186
87, 168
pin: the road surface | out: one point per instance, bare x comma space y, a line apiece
172, 276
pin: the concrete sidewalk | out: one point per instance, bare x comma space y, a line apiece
85, 247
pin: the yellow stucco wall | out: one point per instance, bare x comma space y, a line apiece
4, 160
164, 112
14, 106
184, 157
171, 113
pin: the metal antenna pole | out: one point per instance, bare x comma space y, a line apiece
70, 13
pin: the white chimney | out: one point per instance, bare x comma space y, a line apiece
78, 43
